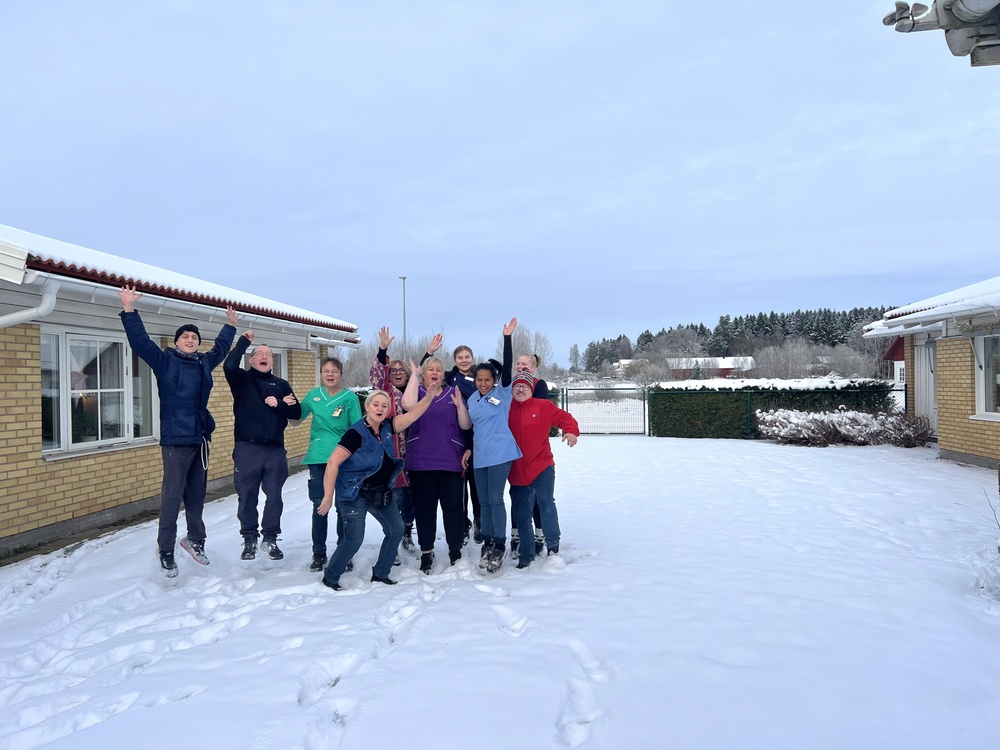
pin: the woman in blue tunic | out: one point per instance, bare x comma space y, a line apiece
494, 449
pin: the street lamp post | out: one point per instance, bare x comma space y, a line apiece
405, 347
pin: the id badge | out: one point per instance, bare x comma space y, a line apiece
336, 412
493, 400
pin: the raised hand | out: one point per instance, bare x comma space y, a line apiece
248, 335
231, 316
384, 339
435, 344
510, 327
129, 296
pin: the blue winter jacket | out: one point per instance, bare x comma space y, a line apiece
366, 460
183, 382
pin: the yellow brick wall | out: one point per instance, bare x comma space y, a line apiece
956, 402
35, 492
302, 377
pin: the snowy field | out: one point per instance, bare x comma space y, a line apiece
709, 594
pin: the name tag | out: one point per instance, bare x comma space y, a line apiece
493, 400
336, 412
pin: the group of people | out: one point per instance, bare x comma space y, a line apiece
427, 439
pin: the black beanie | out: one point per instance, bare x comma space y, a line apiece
187, 327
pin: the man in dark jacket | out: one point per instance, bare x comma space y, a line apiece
183, 382
262, 403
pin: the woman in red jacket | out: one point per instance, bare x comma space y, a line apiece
532, 477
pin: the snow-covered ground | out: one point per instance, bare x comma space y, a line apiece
709, 594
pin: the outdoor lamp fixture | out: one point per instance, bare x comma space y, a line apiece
971, 27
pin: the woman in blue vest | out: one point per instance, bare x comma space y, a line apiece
361, 472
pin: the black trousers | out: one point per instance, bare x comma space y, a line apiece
185, 475
428, 489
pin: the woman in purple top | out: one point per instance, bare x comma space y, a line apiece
435, 448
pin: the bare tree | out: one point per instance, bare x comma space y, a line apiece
526, 342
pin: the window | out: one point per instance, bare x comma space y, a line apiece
278, 367
991, 374
95, 392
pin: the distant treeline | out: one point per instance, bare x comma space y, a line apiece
733, 337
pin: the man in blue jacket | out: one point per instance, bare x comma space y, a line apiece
183, 382
262, 404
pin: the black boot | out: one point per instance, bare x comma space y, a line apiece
426, 561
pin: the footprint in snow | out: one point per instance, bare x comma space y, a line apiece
595, 669
510, 622
580, 710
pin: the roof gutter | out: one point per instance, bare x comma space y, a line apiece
50, 284
49, 288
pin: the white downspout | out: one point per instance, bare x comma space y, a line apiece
49, 289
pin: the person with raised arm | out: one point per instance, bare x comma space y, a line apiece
392, 377
359, 478
435, 449
494, 449
263, 404
183, 382
529, 363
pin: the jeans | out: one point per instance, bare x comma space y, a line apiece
354, 513
184, 482
491, 481
320, 523
259, 466
539, 494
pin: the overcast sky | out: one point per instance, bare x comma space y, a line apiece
594, 168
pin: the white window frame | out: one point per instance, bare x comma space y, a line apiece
982, 370
65, 444
281, 357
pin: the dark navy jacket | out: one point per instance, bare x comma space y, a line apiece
183, 381
256, 422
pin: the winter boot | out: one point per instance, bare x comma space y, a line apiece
408, 544
496, 558
167, 564
249, 548
477, 534
386, 581
270, 546
426, 561
454, 555
318, 563
514, 541
554, 550
484, 554
195, 549
539, 542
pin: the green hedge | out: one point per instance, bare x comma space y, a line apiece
713, 413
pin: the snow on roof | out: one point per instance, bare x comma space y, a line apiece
714, 363
65, 259
982, 298
974, 298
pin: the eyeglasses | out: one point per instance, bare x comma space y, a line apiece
396, 370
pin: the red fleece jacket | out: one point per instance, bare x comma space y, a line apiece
529, 423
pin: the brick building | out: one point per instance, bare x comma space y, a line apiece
79, 411
952, 365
